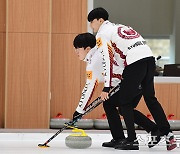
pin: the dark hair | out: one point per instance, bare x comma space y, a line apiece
98, 13
84, 40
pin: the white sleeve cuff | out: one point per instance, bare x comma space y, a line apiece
80, 110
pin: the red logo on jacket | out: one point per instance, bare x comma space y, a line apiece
127, 33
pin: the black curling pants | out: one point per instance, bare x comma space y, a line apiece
140, 73
112, 113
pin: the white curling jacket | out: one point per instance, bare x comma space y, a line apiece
127, 44
95, 75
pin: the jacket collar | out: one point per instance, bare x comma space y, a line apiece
104, 23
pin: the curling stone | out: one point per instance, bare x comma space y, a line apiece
101, 123
174, 124
149, 116
58, 121
124, 125
78, 141
85, 123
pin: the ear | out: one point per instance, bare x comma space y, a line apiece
88, 49
101, 20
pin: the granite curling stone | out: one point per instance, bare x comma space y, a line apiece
101, 123
78, 141
85, 124
58, 121
174, 123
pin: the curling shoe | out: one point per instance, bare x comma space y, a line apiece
170, 141
112, 143
127, 145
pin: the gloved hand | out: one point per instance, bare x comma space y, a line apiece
77, 114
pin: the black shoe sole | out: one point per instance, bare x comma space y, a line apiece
127, 148
108, 146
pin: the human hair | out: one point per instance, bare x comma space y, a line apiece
84, 40
98, 13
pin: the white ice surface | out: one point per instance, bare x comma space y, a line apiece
27, 143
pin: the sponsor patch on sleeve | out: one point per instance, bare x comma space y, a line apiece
89, 75
99, 42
